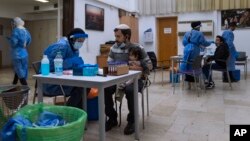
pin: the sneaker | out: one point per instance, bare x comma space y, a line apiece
129, 129
210, 85
110, 124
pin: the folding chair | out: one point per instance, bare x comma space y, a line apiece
158, 65
146, 84
36, 66
196, 72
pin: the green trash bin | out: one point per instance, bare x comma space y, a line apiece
73, 130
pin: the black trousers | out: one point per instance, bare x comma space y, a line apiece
75, 99
22, 80
109, 103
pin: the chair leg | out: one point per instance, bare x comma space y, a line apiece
64, 95
245, 70
120, 114
229, 79
154, 76
142, 107
147, 101
34, 98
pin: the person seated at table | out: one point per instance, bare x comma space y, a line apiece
220, 56
193, 41
69, 47
119, 52
135, 63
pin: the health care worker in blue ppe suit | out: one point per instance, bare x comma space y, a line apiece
69, 47
228, 35
19, 41
193, 42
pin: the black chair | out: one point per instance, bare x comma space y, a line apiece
36, 66
146, 84
241, 60
224, 71
196, 72
158, 65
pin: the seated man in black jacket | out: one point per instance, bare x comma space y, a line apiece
220, 56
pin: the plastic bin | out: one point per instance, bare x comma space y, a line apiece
12, 98
72, 131
92, 109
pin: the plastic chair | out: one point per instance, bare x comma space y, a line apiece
158, 65
146, 84
242, 61
36, 66
196, 72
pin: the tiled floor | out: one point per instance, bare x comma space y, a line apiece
182, 116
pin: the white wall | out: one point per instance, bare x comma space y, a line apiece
144, 24
92, 47
241, 40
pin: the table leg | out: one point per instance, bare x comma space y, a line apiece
39, 91
136, 110
101, 114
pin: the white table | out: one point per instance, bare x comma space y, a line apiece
174, 59
97, 82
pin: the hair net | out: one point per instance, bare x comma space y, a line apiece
18, 21
122, 26
196, 24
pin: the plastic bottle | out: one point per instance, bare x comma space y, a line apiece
45, 65
58, 64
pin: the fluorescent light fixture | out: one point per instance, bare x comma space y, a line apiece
44, 1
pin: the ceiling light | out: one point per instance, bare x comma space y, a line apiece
44, 1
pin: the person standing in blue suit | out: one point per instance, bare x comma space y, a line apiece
19, 41
193, 42
228, 35
69, 47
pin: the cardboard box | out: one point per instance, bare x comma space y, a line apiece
102, 61
105, 48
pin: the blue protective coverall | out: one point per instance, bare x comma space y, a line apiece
192, 41
228, 35
20, 39
70, 58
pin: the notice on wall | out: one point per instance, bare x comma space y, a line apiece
167, 30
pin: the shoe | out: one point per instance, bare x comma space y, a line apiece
210, 85
129, 129
110, 124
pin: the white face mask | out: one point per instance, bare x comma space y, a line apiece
78, 45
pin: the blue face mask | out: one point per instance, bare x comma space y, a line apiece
78, 45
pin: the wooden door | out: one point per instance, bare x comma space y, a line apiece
167, 37
43, 33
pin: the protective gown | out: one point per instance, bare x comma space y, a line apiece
70, 58
192, 42
229, 38
20, 39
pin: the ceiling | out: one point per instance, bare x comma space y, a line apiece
27, 2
